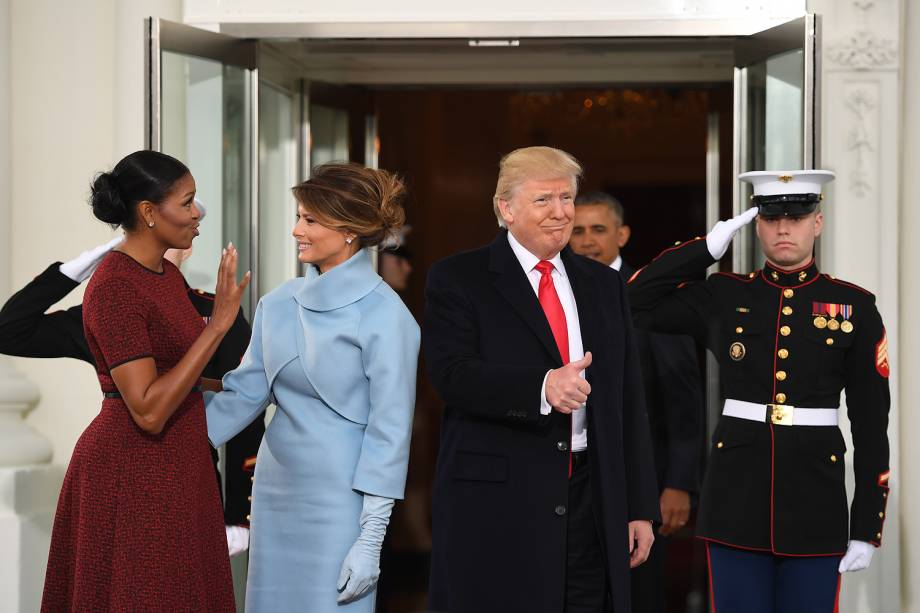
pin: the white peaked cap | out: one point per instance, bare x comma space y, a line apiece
778, 182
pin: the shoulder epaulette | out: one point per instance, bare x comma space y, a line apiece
833, 279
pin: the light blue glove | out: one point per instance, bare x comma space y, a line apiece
361, 567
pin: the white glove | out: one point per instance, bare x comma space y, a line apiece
81, 267
361, 567
237, 539
858, 557
721, 235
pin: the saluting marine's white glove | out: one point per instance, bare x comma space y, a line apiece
81, 267
361, 567
858, 557
237, 539
721, 235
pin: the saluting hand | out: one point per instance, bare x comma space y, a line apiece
721, 235
566, 389
229, 293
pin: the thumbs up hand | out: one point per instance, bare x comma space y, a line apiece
566, 388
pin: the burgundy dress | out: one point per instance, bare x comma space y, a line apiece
139, 525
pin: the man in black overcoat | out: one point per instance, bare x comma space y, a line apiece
545, 490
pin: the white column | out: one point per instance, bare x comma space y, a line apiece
907, 361
861, 127
28, 483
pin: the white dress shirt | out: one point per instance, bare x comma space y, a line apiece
529, 262
617, 263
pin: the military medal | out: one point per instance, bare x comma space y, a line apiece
820, 322
833, 324
737, 351
847, 326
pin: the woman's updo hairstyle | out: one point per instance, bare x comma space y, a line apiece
353, 198
143, 175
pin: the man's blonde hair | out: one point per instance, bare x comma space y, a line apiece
540, 163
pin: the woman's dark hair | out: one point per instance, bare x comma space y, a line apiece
143, 175
351, 197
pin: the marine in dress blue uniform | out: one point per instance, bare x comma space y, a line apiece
773, 506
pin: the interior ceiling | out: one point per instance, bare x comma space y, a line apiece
506, 62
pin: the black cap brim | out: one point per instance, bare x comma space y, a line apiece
787, 205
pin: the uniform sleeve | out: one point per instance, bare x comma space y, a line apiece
115, 316
26, 330
868, 401
641, 484
245, 392
389, 352
668, 295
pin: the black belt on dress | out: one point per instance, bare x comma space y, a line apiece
197, 388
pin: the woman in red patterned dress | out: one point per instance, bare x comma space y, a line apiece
139, 525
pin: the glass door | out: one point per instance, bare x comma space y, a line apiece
202, 101
776, 101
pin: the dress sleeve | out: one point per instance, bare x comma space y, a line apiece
115, 316
245, 394
389, 351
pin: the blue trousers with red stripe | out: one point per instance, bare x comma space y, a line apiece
744, 581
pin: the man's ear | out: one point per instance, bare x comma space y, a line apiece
623, 235
819, 224
504, 207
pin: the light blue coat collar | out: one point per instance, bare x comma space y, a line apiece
344, 284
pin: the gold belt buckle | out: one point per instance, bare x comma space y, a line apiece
780, 414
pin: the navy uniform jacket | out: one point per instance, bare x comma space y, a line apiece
674, 399
501, 489
771, 487
26, 330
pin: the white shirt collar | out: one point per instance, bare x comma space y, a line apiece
528, 260
617, 263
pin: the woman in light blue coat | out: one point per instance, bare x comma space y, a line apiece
336, 353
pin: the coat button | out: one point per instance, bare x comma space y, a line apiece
785, 330
787, 310
783, 354
739, 329
780, 375
781, 398
249, 518
881, 514
879, 536
720, 444
833, 458
829, 341
560, 510
562, 446
788, 293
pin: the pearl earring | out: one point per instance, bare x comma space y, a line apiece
150, 224
348, 240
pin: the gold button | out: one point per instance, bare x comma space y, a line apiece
833, 458
774, 275
829, 341
788, 293
884, 494
785, 330
249, 498
739, 329
878, 536
720, 444
787, 310
676, 243
249, 518
781, 398
881, 514
780, 375
751, 275
783, 354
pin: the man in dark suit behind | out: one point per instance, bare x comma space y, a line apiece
672, 392
545, 490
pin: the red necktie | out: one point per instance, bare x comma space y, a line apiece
552, 308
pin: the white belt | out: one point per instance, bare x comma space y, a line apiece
780, 414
